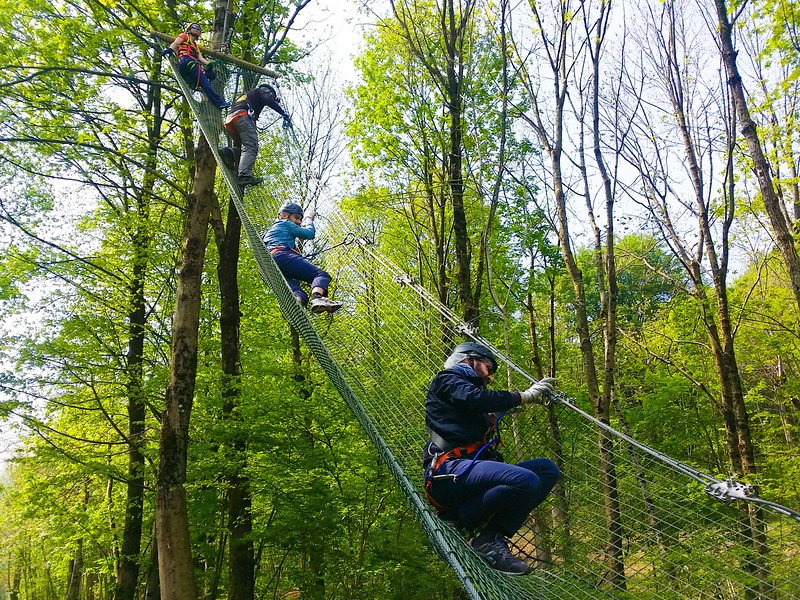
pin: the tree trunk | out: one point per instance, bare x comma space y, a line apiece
16, 580
781, 229
89, 585
128, 567
241, 563
533, 336
454, 32
607, 286
152, 591
453, 38
172, 522
605, 442
314, 551
75, 574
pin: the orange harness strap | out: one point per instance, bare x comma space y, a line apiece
230, 121
277, 248
460, 452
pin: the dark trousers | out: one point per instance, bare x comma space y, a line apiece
500, 493
191, 69
296, 268
245, 144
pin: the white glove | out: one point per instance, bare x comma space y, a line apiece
542, 387
310, 214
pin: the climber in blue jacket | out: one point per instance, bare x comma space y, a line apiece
281, 241
465, 476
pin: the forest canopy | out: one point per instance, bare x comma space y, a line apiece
606, 191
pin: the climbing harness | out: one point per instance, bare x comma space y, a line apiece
230, 120
476, 448
186, 72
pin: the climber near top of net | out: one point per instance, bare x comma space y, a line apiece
280, 239
241, 126
465, 476
194, 67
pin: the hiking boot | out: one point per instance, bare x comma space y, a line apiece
245, 180
228, 157
499, 557
322, 304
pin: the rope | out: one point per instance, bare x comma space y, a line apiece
387, 342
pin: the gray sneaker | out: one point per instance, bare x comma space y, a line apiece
322, 304
497, 554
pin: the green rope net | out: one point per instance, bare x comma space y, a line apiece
625, 522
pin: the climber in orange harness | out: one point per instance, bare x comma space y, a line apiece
193, 65
466, 478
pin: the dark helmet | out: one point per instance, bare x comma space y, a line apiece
194, 26
268, 92
478, 351
292, 208
268, 88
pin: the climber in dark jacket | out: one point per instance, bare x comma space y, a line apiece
241, 125
465, 476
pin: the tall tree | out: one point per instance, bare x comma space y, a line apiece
776, 210
449, 43
669, 42
562, 49
111, 157
172, 521
704, 125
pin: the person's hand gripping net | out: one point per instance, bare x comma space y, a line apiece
539, 390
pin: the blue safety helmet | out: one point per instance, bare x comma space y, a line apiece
476, 350
292, 208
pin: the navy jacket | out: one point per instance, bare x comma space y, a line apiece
457, 407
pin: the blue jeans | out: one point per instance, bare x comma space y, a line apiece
196, 76
296, 268
500, 493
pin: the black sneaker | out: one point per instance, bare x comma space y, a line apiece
228, 157
244, 181
497, 554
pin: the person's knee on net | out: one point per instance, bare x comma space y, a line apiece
465, 476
